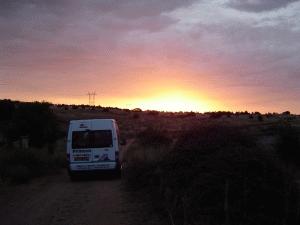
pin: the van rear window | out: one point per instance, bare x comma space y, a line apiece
92, 139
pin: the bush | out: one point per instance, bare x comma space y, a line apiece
105, 110
288, 145
220, 114
260, 118
153, 113
18, 174
154, 137
245, 180
7, 109
136, 116
19, 165
218, 175
35, 120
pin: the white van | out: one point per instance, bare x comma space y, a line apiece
93, 145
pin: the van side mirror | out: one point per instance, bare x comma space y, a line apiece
123, 142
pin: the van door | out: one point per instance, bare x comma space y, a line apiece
81, 150
102, 146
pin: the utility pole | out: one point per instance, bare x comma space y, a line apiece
92, 98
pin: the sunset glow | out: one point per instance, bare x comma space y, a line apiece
160, 55
176, 101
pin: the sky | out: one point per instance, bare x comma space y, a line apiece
173, 55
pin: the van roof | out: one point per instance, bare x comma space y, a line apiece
92, 124
92, 120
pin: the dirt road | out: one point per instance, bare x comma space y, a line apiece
56, 200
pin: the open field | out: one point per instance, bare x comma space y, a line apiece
184, 168
247, 165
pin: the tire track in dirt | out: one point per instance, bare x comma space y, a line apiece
55, 200
58, 201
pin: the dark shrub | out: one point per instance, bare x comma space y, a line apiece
288, 145
34, 120
7, 108
140, 174
18, 174
286, 113
219, 114
137, 110
20, 165
136, 116
215, 166
105, 110
153, 137
37, 121
153, 113
218, 175
74, 107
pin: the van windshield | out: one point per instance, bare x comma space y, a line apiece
92, 139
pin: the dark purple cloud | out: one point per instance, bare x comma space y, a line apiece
129, 9
71, 26
259, 5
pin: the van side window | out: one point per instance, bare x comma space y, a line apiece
92, 139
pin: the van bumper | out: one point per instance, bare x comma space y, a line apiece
93, 166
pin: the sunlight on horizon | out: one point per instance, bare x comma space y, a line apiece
173, 102
169, 101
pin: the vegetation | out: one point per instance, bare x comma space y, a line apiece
215, 174
288, 144
154, 137
20, 165
29, 132
196, 168
33, 120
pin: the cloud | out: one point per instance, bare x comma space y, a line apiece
44, 20
259, 5
47, 26
239, 52
129, 9
204, 45
134, 9
43, 40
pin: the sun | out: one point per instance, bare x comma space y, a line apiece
174, 101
